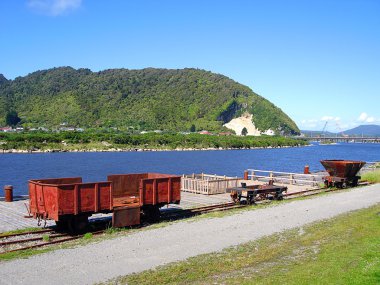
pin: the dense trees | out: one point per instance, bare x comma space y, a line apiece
107, 140
146, 99
12, 118
192, 128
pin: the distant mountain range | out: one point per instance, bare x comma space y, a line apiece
366, 130
362, 130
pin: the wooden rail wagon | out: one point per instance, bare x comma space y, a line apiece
69, 201
253, 193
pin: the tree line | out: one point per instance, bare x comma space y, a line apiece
107, 140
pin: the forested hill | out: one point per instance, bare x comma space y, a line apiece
146, 99
3, 80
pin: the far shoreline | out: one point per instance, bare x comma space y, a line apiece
21, 151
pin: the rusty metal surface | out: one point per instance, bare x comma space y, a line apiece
65, 196
160, 189
150, 188
126, 216
126, 184
342, 168
62, 198
8, 193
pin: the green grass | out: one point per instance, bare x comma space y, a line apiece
88, 236
344, 250
46, 238
20, 231
371, 177
22, 254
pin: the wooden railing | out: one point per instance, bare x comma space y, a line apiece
208, 184
370, 166
286, 177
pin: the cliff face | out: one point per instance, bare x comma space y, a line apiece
146, 99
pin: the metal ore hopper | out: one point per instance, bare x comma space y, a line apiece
342, 172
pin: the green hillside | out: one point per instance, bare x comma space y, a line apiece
145, 99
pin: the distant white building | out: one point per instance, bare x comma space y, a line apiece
268, 132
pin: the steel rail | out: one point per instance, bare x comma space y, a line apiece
41, 238
52, 242
26, 233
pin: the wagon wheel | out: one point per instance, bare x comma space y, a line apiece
77, 224
251, 199
61, 225
339, 185
261, 196
235, 197
151, 214
278, 196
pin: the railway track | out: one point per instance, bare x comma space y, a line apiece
35, 239
46, 237
30, 240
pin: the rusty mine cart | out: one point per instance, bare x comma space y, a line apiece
342, 173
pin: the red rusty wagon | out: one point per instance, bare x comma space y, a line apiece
342, 173
70, 202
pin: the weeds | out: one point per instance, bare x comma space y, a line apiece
46, 238
371, 177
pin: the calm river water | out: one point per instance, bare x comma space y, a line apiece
16, 169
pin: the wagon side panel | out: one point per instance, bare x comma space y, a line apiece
43, 200
87, 198
80, 198
176, 190
164, 190
105, 196
126, 184
146, 191
32, 197
66, 200
51, 197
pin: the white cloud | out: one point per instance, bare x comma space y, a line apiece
309, 124
54, 7
365, 118
370, 120
309, 121
336, 124
330, 118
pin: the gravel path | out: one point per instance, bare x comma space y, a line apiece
148, 249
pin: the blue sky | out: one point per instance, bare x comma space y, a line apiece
316, 60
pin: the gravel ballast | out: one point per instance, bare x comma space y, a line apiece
143, 250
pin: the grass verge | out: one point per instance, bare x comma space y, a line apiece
20, 231
371, 177
344, 250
